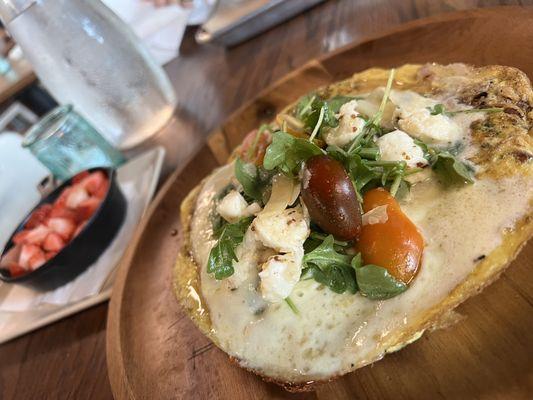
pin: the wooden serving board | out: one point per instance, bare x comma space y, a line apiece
155, 352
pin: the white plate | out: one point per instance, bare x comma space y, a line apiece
141, 174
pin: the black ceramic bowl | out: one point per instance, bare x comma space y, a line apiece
82, 250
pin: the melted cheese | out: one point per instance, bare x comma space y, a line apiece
333, 332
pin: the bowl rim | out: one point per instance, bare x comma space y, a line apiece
111, 174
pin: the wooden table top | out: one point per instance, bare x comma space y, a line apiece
18, 78
67, 359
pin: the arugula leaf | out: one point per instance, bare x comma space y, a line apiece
287, 153
446, 165
318, 114
322, 237
439, 109
221, 257
338, 279
247, 175
304, 105
368, 174
375, 282
327, 266
450, 170
325, 254
335, 103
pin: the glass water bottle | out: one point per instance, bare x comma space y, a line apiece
86, 56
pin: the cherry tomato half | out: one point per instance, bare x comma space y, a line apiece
329, 195
395, 244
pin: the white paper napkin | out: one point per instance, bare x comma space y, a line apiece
160, 28
18, 298
17, 165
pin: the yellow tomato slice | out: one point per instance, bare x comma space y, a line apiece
394, 244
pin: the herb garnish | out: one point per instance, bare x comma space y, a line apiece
221, 257
287, 153
291, 305
246, 174
446, 165
450, 170
252, 149
375, 282
318, 114
373, 125
439, 109
361, 159
329, 267
346, 273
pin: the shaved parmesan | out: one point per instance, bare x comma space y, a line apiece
377, 215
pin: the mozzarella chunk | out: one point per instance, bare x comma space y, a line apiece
284, 231
399, 146
279, 275
350, 125
250, 253
233, 207
417, 121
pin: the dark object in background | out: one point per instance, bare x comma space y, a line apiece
81, 251
37, 99
229, 27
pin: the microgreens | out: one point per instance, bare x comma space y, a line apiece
439, 109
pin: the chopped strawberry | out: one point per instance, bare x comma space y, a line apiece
50, 254
76, 196
53, 242
64, 226
80, 176
60, 212
11, 256
37, 260
37, 235
102, 190
15, 270
94, 182
79, 228
38, 216
87, 208
20, 237
61, 201
26, 253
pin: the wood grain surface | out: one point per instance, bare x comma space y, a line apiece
66, 360
155, 351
